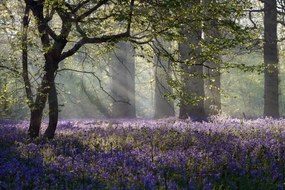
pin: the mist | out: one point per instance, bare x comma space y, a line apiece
82, 95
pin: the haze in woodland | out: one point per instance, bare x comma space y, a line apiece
140, 59
142, 94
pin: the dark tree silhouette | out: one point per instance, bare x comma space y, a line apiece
271, 80
54, 48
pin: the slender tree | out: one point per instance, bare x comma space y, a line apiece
192, 72
54, 45
271, 81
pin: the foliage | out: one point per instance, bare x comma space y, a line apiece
197, 17
12, 105
12, 99
150, 19
242, 89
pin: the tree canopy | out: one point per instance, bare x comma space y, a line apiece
54, 30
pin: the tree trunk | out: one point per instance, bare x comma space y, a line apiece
46, 90
35, 123
271, 81
37, 106
53, 112
192, 74
162, 106
37, 111
52, 50
213, 82
123, 81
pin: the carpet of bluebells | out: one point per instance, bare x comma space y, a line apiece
146, 154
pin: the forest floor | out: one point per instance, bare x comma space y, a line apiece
224, 153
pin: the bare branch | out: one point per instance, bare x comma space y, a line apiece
54, 36
99, 80
79, 30
10, 69
81, 5
95, 40
140, 42
97, 103
90, 11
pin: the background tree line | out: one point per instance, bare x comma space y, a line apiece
129, 58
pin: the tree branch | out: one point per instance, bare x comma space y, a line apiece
130, 16
95, 40
80, 5
10, 69
90, 11
99, 80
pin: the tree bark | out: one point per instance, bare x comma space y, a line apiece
37, 109
162, 106
271, 81
53, 112
35, 123
46, 91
